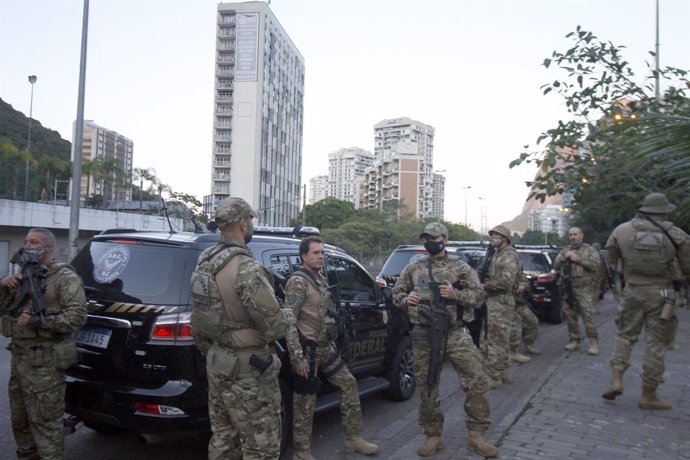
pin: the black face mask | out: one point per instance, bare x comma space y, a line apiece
434, 247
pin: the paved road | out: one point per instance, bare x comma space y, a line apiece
553, 409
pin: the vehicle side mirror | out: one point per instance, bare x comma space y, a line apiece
387, 295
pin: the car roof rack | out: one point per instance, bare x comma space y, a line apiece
536, 246
456, 243
298, 231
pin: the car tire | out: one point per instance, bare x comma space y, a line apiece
401, 375
555, 313
103, 428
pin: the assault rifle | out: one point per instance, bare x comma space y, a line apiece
32, 287
436, 335
345, 321
481, 313
567, 281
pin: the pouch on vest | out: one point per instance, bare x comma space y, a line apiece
648, 255
220, 362
65, 354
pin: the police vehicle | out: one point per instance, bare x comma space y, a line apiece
138, 367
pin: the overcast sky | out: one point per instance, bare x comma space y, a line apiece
471, 69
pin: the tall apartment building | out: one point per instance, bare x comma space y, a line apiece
394, 180
438, 197
346, 168
318, 188
115, 154
404, 136
258, 113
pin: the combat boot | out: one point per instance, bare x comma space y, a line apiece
593, 347
477, 443
573, 345
494, 383
357, 444
432, 445
532, 350
649, 400
615, 388
302, 455
520, 358
506, 377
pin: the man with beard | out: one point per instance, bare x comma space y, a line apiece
234, 318
425, 284
580, 263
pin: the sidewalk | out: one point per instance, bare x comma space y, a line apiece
568, 418
554, 409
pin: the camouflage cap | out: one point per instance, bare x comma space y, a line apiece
656, 203
434, 229
501, 230
233, 209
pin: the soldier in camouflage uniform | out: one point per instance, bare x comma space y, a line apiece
655, 253
42, 353
310, 340
525, 327
461, 292
234, 318
584, 262
502, 282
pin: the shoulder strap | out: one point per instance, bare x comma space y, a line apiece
658, 225
305, 274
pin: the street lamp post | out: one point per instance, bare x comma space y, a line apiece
482, 208
466, 189
32, 80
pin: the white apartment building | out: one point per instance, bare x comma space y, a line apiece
112, 156
394, 181
258, 113
438, 198
318, 188
552, 218
405, 136
346, 168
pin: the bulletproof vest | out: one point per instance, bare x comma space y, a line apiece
209, 316
646, 250
53, 305
314, 321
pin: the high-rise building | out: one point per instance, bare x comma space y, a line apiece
393, 181
438, 199
318, 188
346, 168
106, 163
404, 136
258, 113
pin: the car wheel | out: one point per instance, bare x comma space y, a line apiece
285, 415
103, 428
401, 375
555, 313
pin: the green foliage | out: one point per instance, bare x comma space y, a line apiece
538, 237
621, 141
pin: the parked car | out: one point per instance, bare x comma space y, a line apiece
545, 296
138, 367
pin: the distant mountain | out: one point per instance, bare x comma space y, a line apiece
14, 125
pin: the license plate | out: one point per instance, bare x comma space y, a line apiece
94, 336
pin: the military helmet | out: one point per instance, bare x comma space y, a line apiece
233, 209
656, 203
434, 229
501, 230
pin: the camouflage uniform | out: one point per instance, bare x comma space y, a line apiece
503, 278
527, 325
648, 267
584, 275
460, 349
310, 301
40, 357
234, 316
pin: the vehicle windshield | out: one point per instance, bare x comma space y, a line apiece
134, 273
398, 259
534, 262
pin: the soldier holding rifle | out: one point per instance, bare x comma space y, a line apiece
440, 292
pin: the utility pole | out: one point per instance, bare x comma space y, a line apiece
32, 80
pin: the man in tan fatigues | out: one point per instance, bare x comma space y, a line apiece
310, 340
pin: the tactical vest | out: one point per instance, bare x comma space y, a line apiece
10, 328
209, 317
313, 321
646, 250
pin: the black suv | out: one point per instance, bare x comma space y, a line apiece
138, 368
545, 296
